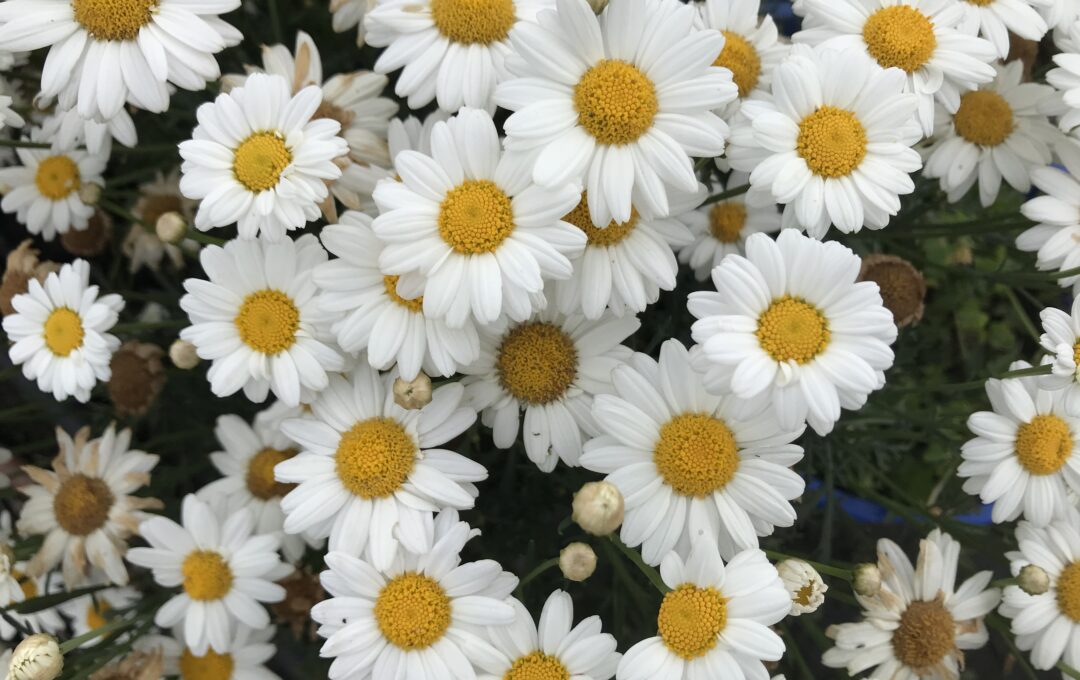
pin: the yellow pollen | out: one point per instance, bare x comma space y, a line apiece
1068, 591
57, 176
984, 118
260, 159
616, 103
980, 3
1076, 354
740, 57
832, 141
475, 217
82, 505
802, 597
696, 454
207, 576
95, 614
792, 329
416, 305
1044, 444
412, 611
267, 321
26, 584
926, 635
726, 221
260, 474
63, 332
537, 362
210, 666
900, 36
113, 19
537, 666
691, 619
599, 237
375, 457
473, 21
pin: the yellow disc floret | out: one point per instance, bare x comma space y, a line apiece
832, 141
1044, 444
82, 504
537, 362
475, 217
984, 118
259, 477
599, 237
260, 159
63, 332
113, 19
616, 102
56, 177
537, 666
726, 221
696, 454
95, 614
792, 329
1068, 591
416, 305
210, 666
207, 576
740, 57
375, 457
927, 633
900, 36
412, 611
691, 619
473, 22
268, 321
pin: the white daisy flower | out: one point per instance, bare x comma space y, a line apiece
1000, 130
452, 51
1061, 340
158, 197
549, 367
245, 658
1023, 458
1059, 14
714, 623
689, 463
920, 37
792, 328
475, 237
1066, 79
1047, 625
59, 331
349, 14
721, 228
416, 618
1056, 237
17, 586
369, 475
919, 623
259, 158
624, 265
223, 568
258, 319
619, 103
103, 54
551, 648
995, 19
374, 317
833, 150
70, 130
85, 507
90, 612
43, 189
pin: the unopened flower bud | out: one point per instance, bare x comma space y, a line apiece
577, 561
804, 584
171, 227
598, 508
867, 580
38, 657
183, 355
1033, 580
413, 394
90, 193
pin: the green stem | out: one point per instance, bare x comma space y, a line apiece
1025, 321
1004, 582
1067, 669
724, 195
123, 213
531, 576
205, 239
77, 641
635, 557
829, 570
22, 144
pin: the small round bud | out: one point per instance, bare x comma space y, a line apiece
183, 354
1033, 580
38, 657
90, 193
867, 580
577, 561
804, 584
171, 227
413, 394
598, 508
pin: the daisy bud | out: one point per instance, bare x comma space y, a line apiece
577, 561
902, 286
867, 580
171, 227
1033, 580
413, 394
38, 657
804, 584
598, 508
183, 354
90, 193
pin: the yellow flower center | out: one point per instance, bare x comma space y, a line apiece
613, 233
691, 619
1076, 354
415, 305
210, 666
26, 584
927, 633
413, 611
260, 159
1068, 591
267, 321
900, 36
375, 457
984, 118
802, 597
95, 614
792, 329
537, 666
207, 576
980, 3
726, 221
475, 217
740, 57
57, 176
82, 504
1044, 444
696, 454
473, 21
63, 332
260, 474
832, 141
113, 19
537, 362
616, 103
